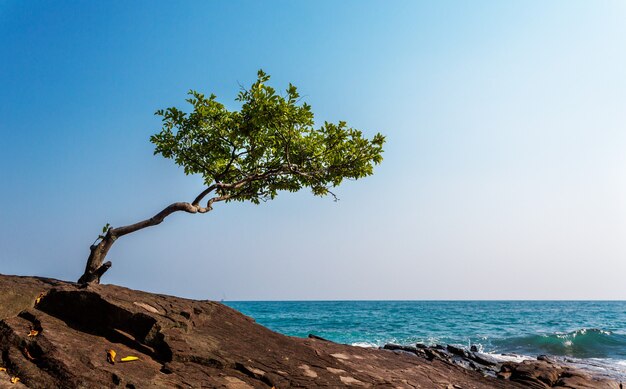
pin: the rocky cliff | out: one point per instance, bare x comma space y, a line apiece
55, 334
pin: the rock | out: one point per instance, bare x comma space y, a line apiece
457, 351
19, 293
544, 374
579, 380
432, 354
483, 359
546, 358
187, 343
537, 374
410, 349
505, 375
421, 345
473, 348
184, 343
421, 353
311, 336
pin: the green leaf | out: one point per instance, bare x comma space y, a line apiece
270, 144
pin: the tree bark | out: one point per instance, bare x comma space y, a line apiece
96, 266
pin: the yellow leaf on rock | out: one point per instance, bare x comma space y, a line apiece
3, 369
129, 358
14, 380
111, 356
33, 333
38, 299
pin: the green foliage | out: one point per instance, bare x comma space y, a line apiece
105, 230
270, 144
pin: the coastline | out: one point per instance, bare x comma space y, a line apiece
534, 372
187, 343
586, 334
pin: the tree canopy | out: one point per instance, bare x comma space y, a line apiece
270, 144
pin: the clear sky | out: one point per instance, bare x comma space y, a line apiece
504, 174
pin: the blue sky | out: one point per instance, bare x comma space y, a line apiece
504, 173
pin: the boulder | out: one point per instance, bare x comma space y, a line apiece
458, 351
543, 374
56, 334
182, 343
410, 349
483, 359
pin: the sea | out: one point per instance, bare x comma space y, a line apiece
588, 334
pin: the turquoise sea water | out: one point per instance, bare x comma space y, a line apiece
580, 330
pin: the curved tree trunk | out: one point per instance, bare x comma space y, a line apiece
96, 266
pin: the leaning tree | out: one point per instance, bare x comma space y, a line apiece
268, 145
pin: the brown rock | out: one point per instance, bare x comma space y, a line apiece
577, 380
540, 371
185, 343
457, 351
546, 373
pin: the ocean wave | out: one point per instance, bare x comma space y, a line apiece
582, 343
365, 344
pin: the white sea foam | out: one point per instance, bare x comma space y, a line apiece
365, 344
509, 357
597, 367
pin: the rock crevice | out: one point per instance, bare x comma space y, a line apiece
185, 343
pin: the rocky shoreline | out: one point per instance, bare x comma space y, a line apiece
544, 372
56, 334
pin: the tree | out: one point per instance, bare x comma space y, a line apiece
269, 145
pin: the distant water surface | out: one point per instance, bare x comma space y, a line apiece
583, 330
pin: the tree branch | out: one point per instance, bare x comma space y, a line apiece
254, 177
154, 220
230, 162
205, 192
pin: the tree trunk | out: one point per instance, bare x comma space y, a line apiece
96, 266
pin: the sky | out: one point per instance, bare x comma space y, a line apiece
504, 172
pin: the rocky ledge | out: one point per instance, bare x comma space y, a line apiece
55, 334
544, 372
